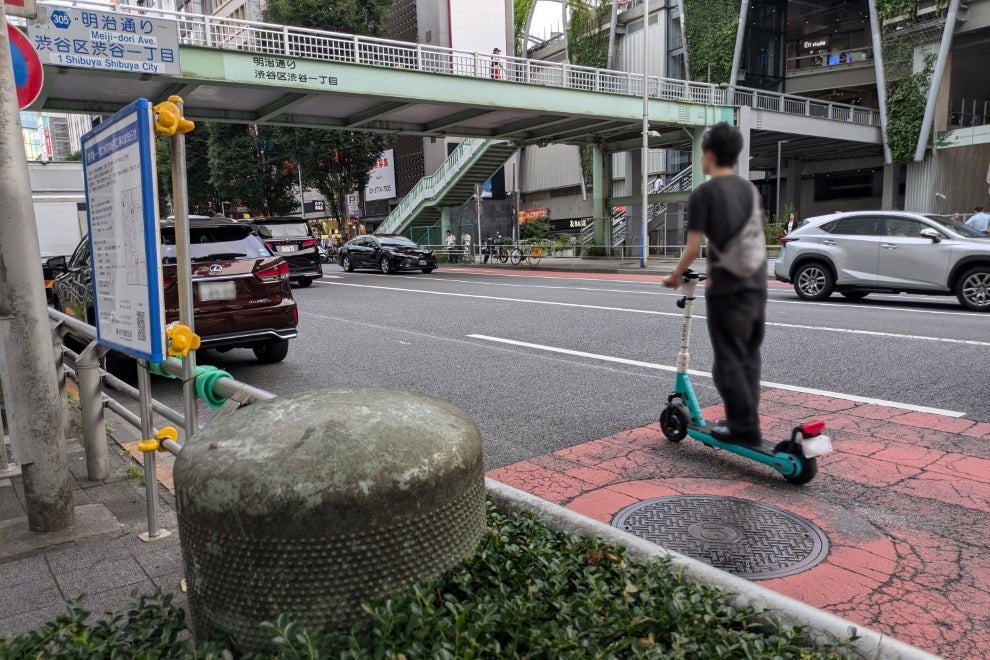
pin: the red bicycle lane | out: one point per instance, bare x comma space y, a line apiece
903, 501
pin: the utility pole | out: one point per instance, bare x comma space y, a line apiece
35, 410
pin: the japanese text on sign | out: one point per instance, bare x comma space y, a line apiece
104, 40
283, 70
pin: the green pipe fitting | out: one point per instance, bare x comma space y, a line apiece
206, 377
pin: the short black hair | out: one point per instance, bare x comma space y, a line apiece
979, 209
725, 142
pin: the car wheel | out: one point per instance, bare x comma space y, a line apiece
428, 270
272, 351
347, 264
973, 289
386, 266
305, 282
854, 295
813, 281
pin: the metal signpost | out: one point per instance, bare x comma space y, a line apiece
124, 239
90, 39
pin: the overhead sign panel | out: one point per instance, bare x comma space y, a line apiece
111, 41
124, 238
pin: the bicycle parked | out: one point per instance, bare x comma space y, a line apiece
532, 254
493, 249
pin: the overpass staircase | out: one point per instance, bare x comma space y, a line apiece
655, 212
471, 163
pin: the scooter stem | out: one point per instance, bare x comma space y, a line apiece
684, 355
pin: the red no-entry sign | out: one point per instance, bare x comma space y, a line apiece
28, 74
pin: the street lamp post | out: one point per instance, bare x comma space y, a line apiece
780, 143
302, 194
644, 153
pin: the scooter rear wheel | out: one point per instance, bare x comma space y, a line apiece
674, 421
809, 466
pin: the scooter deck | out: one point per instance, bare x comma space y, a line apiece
700, 433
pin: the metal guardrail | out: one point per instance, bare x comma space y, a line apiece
286, 41
93, 382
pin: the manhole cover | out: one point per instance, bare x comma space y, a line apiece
748, 539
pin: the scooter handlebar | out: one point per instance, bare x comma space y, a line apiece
689, 275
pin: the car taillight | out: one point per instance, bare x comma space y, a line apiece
276, 273
295, 315
271, 245
308, 243
784, 241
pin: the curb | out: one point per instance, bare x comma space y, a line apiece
631, 270
823, 627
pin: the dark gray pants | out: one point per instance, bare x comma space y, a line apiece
735, 325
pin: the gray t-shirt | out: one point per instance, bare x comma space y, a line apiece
719, 208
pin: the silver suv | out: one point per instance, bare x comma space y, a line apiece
887, 252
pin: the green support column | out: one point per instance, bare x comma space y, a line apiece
444, 222
697, 174
600, 191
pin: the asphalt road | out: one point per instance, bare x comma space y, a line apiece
543, 361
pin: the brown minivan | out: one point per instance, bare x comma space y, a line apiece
241, 293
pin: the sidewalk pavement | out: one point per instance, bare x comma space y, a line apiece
656, 266
108, 568
904, 502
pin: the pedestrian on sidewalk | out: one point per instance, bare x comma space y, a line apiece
725, 209
451, 247
979, 220
792, 223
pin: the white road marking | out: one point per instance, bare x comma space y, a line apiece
868, 333
331, 277
772, 300
706, 374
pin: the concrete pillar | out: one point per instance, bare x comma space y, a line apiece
444, 222
892, 177
745, 126
697, 173
600, 184
792, 191
634, 174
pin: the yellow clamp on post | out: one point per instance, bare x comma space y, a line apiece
155, 444
181, 340
169, 119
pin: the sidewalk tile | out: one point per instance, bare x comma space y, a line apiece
19, 571
602, 504
11, 626
117, 599
909, 455
868, 471
540, 481
103, 576
949, 489
969, 467
981, 430
29, 596
934, 422
875, 412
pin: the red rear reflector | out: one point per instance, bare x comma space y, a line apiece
280, 271
295, 315
785, 241
811, 429
308, 243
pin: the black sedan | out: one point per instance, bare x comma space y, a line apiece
386, 252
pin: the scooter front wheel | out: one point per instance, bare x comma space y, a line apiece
809, 466
674, 421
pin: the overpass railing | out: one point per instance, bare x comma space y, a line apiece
282, 41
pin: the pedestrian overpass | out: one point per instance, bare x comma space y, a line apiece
240, 71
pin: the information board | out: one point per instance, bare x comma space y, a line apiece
124, 237
90, 39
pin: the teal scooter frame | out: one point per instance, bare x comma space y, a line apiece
795, 459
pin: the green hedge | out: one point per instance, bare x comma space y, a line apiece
710, 35
528, 592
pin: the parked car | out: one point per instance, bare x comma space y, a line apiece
386, 252
242, 297
887, 252
289, 238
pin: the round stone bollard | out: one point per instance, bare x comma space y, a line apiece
310, 504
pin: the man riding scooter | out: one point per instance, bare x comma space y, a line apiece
725, 209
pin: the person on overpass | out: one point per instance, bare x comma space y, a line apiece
720, 209
498, 71
979, 220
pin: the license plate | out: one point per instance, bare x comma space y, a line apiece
422, 262
286, 248
210, 291
817, 446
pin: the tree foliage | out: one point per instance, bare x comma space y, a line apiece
249, 169
906, 100
334, 162
202, 194
710, 36
587, 32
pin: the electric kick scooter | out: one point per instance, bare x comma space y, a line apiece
795, 458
